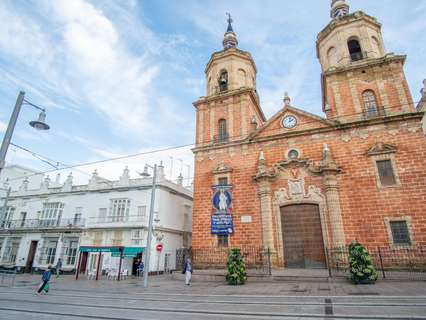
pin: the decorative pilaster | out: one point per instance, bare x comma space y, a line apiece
263, 178
329, 169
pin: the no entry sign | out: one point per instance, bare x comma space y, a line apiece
159, 247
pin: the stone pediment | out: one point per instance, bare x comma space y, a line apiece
222, 168
381, 148
305, 121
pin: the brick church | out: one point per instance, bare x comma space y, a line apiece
299, 183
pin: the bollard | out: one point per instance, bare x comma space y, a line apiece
381, 263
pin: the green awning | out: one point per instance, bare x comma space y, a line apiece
99, 249
129, 252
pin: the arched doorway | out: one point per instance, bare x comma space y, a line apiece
303, 242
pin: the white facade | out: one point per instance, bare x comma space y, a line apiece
55, 219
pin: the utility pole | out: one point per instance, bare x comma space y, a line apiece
151, 219
10, 128
4, 208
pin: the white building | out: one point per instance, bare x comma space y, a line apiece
55, 219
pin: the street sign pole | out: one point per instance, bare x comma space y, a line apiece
151, 219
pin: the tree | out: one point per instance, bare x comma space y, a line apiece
361, 267
236, 267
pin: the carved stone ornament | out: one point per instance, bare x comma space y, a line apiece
282, 196
381, 148
222, 168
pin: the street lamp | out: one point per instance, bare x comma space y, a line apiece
39, 124
151, 219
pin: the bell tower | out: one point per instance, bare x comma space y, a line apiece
360, 80
230, 110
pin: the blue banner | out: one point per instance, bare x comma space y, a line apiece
222, 224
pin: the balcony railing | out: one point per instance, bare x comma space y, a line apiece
116, 220
374, 113
43, 224
221, 138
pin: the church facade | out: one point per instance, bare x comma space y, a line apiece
297, 183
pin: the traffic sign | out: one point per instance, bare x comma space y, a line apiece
159, 247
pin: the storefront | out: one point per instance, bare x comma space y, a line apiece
112, 261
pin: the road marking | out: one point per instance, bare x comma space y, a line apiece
328, 308
275, 303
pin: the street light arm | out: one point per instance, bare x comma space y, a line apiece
25, 101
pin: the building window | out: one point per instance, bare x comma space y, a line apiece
142, 211
48, 252
293, 154
223, 134
400, 233
355, 50
11, 250
222, 240
222, 181
51, 214
386, 173
119, 210
77, 215
186, 217
137, 237
70, 251
223, 81
22, 219
8, 218
117, 238
370, 103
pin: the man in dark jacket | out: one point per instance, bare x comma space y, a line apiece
187, 270
45, 278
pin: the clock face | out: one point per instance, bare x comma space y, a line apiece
289, 122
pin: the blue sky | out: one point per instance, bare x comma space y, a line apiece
119, 77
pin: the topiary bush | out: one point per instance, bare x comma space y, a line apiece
236, 268
360, 265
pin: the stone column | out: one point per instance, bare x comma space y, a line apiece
334, 210
263, 177
329, 170
266, 214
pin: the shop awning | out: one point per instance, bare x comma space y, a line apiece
129, 252
99, 249
115, 251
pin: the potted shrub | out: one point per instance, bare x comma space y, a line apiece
236, 268
360, 265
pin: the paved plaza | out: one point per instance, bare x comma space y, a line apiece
171, 299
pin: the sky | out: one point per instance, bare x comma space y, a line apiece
120, 77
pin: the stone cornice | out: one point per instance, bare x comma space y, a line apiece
337, 127
230, 52
335, 23
61, 193
366, 63
231, 93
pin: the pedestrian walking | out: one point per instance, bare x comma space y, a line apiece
58, 267
140, 269
187, 270
45, 278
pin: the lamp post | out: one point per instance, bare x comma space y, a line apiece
39, 124
151, 219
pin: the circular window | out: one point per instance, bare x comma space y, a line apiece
293, 154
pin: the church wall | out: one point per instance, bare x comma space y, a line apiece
364, 205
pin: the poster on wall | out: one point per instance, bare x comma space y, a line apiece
221, 219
